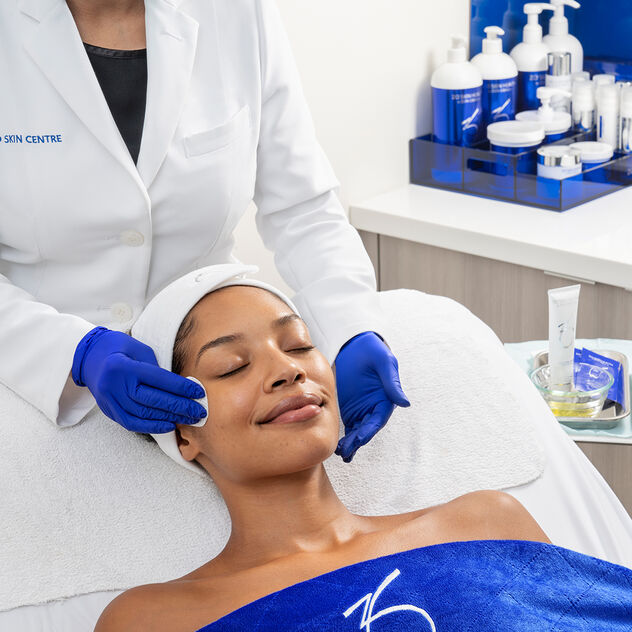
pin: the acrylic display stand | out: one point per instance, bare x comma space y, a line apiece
513, 177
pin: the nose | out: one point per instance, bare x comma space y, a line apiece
283, 371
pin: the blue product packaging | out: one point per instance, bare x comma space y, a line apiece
586, 356
499, 100
528, 84
458, 116
594, 155
551, 138
527, 158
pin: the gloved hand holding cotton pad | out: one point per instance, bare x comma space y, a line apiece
203, 401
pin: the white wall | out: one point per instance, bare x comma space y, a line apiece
365, 67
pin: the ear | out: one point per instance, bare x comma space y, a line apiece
187, 442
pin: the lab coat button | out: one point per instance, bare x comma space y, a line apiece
132, 238
121, 312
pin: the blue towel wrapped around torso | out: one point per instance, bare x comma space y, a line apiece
476, 586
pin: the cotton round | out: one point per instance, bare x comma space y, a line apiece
158, 325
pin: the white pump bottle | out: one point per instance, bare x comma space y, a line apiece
499, 74
559, 39
531, 57
456, 98
555, 123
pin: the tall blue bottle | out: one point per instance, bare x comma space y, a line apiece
531, 57
499, 74
457, 111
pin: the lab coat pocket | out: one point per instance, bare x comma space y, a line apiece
218, 137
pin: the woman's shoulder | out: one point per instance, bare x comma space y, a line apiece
169, 607
485, 515
136, 609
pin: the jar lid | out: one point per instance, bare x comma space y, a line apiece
594, 152
559, 156
558, 123
515, 133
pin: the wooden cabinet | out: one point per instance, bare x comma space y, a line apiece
512, 300
614, 462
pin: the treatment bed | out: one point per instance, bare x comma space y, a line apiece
92, 510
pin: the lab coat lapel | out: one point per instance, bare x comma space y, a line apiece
55, 46
171, 46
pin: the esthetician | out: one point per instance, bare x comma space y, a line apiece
133, 136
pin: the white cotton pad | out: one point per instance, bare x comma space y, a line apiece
203, 401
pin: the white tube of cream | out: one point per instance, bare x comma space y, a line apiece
563, 302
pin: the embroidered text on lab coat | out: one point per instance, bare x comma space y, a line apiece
31, 139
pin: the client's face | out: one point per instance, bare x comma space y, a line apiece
272, 399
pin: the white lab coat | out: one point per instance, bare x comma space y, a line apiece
88, 238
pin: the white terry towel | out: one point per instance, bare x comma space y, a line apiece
94, 507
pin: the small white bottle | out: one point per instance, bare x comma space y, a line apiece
581, 75
583, 106
559, 77
604, 79
456, 99
608, 114
556, 124
530, 57
499, 74
559, 39
625, 131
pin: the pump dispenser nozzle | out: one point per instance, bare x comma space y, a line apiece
492, 42
555, 123
457, 53
532, 32
559, 23
545, 95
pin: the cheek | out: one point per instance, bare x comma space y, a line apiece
230, 410
322, 374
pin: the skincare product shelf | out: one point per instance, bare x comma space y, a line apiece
512, 177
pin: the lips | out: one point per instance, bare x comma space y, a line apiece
295, 402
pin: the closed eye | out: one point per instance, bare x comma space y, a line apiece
234, 371
301, 349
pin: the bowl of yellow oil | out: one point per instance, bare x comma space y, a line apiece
585, 399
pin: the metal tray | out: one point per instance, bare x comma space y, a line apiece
612, 412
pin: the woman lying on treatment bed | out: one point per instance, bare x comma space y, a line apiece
479, 562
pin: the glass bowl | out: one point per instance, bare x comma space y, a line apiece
586, 400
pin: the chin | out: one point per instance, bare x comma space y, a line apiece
304, 452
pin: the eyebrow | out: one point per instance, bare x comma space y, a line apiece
231, 338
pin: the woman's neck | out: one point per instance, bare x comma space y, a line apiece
118, 24
105, 7
287, 515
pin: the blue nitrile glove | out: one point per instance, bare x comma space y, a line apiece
123, 375
367, 379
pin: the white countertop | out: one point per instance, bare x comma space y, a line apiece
590, 242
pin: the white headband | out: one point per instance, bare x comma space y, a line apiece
158, 324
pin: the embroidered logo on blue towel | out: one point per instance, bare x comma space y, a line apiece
369, 602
